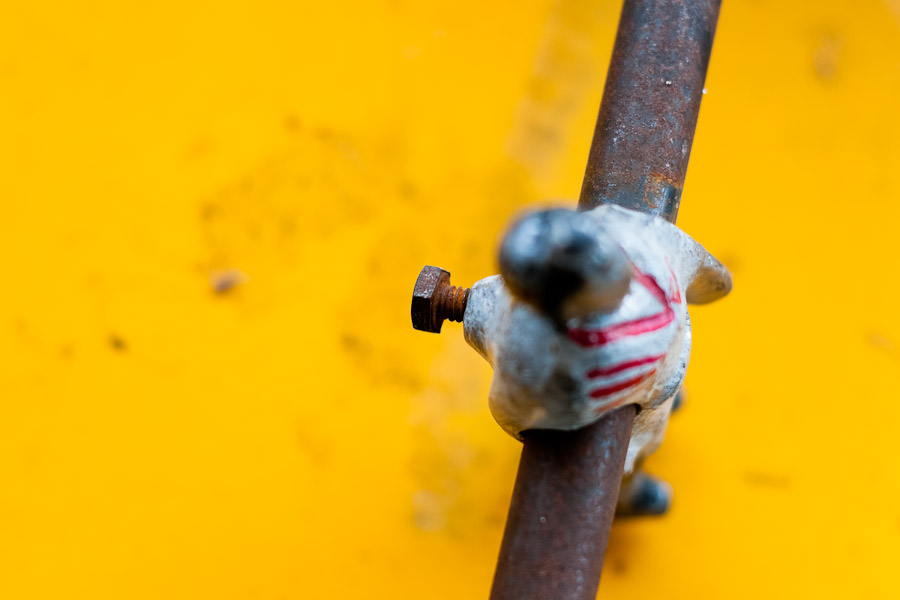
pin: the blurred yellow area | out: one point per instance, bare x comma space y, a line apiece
212, 217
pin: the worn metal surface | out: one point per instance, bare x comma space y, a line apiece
562, 500
642, 142
435, 300
638, 160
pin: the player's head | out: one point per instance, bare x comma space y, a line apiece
563, 264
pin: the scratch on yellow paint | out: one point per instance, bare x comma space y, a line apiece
212, 218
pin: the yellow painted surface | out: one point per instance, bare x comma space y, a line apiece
294, 437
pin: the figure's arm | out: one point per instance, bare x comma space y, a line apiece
707, 278
712, 281
704, 278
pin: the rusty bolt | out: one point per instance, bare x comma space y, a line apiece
434, 300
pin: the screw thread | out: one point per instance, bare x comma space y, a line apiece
451, 302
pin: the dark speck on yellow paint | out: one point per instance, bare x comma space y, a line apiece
208, 211
354, 344
117, 343
825, 60
225, 281
765, 479
292, 123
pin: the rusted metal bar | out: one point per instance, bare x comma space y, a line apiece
568, 482
562, 510
642, 142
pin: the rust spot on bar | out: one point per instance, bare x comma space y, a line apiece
659, 190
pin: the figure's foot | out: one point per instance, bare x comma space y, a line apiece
679, 400
644, 495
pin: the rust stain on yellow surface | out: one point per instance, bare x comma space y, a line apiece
294, 437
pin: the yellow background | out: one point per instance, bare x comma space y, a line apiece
294, 437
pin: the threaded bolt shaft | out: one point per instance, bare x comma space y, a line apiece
450, 302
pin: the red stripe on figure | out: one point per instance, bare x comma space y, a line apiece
622, 385
598, 372
676, 297
591, 338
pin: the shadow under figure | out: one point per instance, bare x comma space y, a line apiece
590, 314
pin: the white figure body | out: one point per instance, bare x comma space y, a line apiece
565, 374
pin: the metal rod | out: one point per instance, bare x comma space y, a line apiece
645, 129
562, 510
568, 482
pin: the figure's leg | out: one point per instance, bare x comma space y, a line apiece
643, 495
679, 400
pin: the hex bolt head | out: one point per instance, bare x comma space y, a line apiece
435, 300
424, 303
